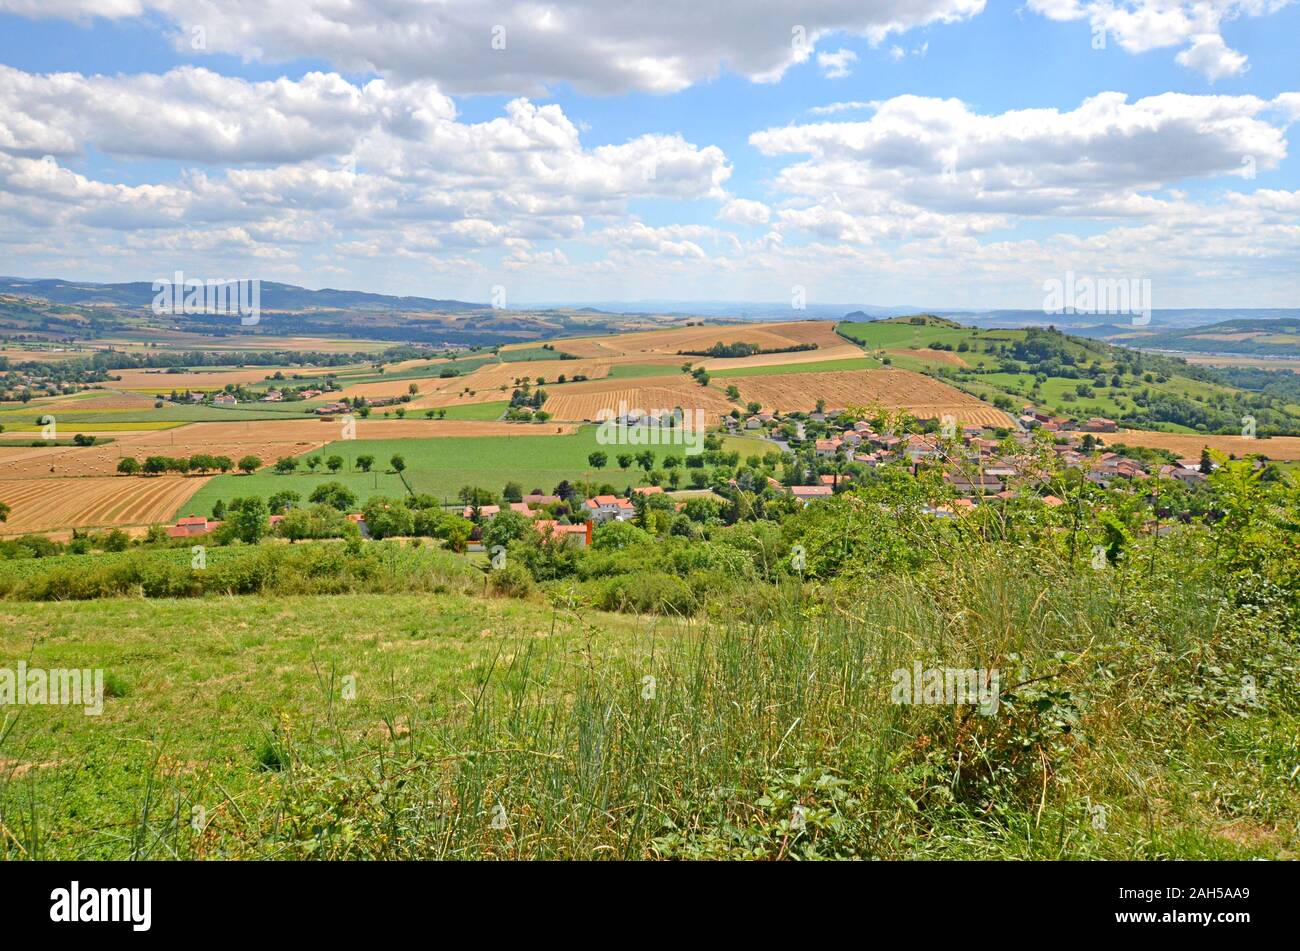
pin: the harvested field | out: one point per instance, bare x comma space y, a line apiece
669, 342
41, 356
160, 381
1264, 363
925, 353
893, 389
268, 440
644, 397
495, 375
845, 351
381, 389
1189, 446
435, 428
41, 504
94, 401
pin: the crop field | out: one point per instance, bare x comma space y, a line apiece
670, 342
900, 334
160, 381
440, 467
1189, 446
505, 374
654, 393
823, 366
383, 389
1223, 360
823, 354
928, 356
44, 504
893, 389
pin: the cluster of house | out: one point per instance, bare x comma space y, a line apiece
277, 396
1031, 418
980, 471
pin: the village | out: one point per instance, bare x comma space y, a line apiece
978, 466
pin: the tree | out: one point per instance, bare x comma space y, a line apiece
334, 463
365, 462
201, 462
249, 464
224, 463
128, 466
155, 465
753, 408
282, 500
398, 463
334, 494
218, 510
505, 527
249, 519
286, 464
598, 460
313, 463
1207, 463
513, 492
386, 518
645, 459
624, 460
4, 511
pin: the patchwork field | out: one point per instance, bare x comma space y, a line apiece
1222, 360
440, 467
382, 389
920, 395
671, 342
1189, 446
654, 393
43, 504
160, 381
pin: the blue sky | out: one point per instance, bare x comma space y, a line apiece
605, 151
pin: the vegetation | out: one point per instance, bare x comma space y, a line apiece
741, 704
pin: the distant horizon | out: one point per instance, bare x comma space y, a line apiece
685, 305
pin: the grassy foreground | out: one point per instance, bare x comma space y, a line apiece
481, 727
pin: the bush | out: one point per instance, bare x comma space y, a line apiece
512, 581
653, 592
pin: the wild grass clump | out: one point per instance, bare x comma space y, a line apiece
308, 568
774, 734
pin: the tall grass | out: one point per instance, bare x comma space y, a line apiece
768, 731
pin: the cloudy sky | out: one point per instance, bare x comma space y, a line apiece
942, 153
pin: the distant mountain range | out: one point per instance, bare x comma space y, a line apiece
275, 296
79, 307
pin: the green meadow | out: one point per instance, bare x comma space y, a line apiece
441, 466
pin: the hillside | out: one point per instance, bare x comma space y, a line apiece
74, 311
1079, 377
1263, 337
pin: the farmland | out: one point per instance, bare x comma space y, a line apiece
440, 467
589, 402
1189, 446
892, 389
40, 505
